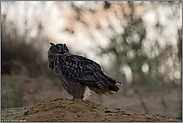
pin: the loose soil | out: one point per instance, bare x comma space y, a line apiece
61, 110
44, 100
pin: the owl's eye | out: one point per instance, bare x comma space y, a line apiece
56, 48
65, 48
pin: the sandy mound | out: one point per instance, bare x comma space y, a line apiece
61, 110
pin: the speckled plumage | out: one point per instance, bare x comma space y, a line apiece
76, 73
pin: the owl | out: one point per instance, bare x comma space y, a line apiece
79, 75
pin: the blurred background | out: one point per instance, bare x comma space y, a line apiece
137, 43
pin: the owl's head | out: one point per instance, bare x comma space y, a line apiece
58, 49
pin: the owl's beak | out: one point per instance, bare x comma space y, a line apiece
61, 51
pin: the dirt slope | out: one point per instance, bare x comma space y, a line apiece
61, 110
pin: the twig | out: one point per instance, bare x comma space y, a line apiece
164, 105
142, 102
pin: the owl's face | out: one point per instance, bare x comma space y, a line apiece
58, 49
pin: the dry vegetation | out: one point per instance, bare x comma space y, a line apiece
20, 56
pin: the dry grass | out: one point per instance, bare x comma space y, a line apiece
18, 55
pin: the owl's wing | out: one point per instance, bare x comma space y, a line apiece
86, 71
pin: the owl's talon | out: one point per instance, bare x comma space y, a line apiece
70, 99
73, 98
67, 99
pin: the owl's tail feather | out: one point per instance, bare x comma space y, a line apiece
111, 80
114, 81
106, 83
100, 91
113, 87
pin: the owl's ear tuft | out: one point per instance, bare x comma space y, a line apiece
64, 44
52, 44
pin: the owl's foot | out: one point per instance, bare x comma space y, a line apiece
70, 99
